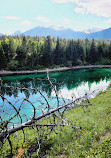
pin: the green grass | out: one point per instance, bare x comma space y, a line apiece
93, 139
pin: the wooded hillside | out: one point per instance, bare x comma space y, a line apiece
28, 53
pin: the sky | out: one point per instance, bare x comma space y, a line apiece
78, 15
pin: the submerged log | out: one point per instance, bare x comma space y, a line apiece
13, 73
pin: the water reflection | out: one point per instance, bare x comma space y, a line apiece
68, 79
85, 88
73, 83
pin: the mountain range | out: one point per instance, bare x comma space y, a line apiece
68, 33
61, 33
104, 34
65, 33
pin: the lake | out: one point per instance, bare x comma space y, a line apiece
68, 84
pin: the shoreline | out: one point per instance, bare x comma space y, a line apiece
13, 73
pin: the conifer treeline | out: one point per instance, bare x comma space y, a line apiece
21, 53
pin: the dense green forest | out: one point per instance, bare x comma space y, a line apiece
28, 53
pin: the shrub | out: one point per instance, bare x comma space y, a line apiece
13, 65
104, 61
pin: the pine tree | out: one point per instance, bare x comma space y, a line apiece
11, 49
2, 59
57, 52
93, 55
48, 51
110, 50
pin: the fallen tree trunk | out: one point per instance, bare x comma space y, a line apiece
4, 134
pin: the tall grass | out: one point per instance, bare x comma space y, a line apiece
93, 139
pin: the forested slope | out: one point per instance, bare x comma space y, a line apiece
28, 53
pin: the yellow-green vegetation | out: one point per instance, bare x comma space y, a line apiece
93, 139
32, 53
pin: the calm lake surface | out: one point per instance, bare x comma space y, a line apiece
71, 83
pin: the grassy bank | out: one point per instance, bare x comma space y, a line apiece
93, 139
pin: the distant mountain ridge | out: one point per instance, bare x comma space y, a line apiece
16, 33
63, 33
66, 33
93, 30
104, 34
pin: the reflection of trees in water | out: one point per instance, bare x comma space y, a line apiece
41, 85
69, 79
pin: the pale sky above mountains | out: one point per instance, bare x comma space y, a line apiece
78, 15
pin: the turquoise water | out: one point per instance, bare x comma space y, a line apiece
68, 84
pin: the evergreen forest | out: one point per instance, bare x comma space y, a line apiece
29, 53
